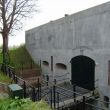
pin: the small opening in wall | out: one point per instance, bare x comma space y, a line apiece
61, 66
106, 99
45, 63
108, 72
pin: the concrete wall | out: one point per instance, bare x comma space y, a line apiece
86, 32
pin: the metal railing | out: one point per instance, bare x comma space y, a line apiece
58, 97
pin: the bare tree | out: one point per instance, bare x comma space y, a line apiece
11, 14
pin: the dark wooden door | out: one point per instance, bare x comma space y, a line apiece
83, 72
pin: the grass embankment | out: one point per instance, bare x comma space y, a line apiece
22, 104
4, 78
20, 58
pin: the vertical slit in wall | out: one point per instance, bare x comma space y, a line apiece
109, 73
51, 63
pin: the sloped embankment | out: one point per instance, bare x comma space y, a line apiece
24, 65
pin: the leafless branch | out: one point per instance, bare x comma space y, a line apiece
12, 11
11, 14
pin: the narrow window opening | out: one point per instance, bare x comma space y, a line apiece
109, 73
61, 66
45, 63
51, 63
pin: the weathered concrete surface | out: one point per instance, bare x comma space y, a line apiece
86, 32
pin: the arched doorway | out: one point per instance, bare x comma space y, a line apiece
83, 72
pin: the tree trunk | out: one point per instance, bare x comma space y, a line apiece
5, 49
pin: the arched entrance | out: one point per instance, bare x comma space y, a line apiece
83, 72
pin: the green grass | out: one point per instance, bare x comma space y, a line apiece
20, 58
4, 78
22, 104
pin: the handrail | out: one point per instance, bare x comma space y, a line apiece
62, 101
83, 88
46, 94
7, 65
62, 79
19, 78
10, 66
95, 106
64, 94
48, 99
98, 100
60, 75
47, 87
69, 90
53, 84
50, 85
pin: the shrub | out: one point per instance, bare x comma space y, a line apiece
22, 104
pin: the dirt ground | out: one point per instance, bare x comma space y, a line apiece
30, 76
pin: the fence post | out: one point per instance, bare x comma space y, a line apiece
54, 93
9, 71
38, 88
16, 79
47, 79
24, 88
51, 96
33, 94
84, 102
13, 75
57, 101
74, 92
54, 96
55, 81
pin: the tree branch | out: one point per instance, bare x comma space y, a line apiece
13, 13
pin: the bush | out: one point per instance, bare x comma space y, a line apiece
22, 104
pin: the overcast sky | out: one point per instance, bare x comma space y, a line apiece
51, 10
